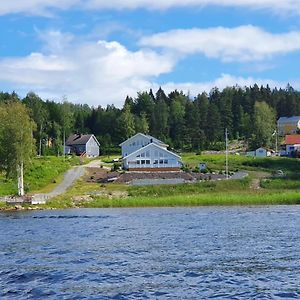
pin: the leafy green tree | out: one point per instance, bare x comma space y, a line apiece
141, 124
38, 113
264, 123
126, 123
214, 130
17, 145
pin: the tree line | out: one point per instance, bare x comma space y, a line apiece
186, 124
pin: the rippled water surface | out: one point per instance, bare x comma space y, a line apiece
161, 253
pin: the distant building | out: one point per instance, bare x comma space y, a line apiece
291, 146
83, 145
260, 152
143, 152
288, 125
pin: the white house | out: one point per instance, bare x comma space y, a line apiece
288, 125
291, 145
137, 141
146, 153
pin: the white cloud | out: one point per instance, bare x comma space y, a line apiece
42, 6
225, 80
278, 5
98, 73
244, 43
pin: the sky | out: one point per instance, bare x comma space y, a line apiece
98, 51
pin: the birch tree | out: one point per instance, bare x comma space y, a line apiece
17, 145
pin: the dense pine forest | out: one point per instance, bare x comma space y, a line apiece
186, 124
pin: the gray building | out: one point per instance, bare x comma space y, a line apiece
83, 144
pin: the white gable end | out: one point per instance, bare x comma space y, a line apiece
138, 141
152, 156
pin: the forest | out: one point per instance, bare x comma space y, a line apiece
186, 124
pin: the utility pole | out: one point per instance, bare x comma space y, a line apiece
20, 179
40, 145
226, 154
276, 146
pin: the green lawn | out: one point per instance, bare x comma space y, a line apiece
41, 175
216, 162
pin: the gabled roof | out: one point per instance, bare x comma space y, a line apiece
292, 139
289, 119
148, 146
155, 140
80, 139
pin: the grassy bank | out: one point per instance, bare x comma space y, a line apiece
42, 175
237, 192
259, 188
219, 199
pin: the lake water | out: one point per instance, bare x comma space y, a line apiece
160, 253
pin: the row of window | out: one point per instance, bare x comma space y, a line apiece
156, 154
155, 162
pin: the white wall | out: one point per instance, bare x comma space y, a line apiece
92, 148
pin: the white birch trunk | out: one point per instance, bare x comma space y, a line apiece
20, 180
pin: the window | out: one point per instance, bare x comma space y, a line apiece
138, 162
161, 161
142, 162
147, 162
165, 161
155, 162
138, 155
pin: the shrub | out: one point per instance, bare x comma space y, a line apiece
116, 166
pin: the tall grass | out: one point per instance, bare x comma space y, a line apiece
218, 199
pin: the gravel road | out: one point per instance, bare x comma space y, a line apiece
70, 177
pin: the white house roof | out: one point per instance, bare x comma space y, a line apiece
155, 140
148, 146
289, 119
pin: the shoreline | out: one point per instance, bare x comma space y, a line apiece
205, 200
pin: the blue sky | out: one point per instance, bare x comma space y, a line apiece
97, 52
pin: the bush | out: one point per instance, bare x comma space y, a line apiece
116, 166
186, 168
196, 170
204, 171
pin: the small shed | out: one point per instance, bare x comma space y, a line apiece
260, 152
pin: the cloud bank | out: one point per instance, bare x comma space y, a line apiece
102, 72
244, 43
99, 73
43, 6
